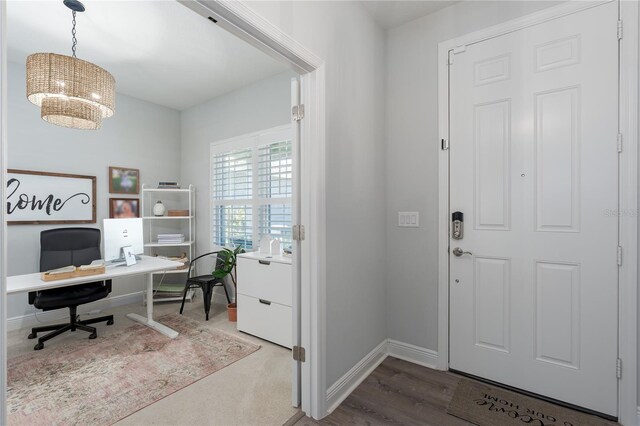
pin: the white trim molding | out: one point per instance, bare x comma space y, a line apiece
3, 221
413, 354
629, 217
628, 413
345, 385
240, 20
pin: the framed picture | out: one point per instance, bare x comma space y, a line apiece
120, 208
124, 181
35, 198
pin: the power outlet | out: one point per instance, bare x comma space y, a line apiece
409, 219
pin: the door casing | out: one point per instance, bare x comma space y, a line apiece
628, 184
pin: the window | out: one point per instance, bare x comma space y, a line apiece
251, 189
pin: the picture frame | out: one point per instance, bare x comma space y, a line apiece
121, 208
124, 180
46, 198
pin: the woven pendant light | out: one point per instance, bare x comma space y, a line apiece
69, 91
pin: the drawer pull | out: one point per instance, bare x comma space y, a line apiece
264, 262
264, 302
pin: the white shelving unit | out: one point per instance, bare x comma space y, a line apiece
169, 284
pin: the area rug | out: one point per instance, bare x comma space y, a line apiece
98, 382
487, 405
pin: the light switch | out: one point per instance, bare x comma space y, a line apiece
409, 219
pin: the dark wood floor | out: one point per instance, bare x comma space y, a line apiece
397, 392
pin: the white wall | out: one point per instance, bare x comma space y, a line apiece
412, 159
352, 45
259, 106
140, 135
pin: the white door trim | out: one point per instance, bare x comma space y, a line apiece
3, 221
628, 314
239, 19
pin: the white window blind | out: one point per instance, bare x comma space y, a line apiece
251, 189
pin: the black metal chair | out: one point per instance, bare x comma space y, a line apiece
64, 247
205, 282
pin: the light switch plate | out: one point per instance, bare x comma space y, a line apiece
409, 219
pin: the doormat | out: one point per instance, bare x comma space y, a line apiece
98, 382
487, 405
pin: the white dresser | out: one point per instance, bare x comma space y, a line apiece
265, 297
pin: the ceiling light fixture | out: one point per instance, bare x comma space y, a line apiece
69, 91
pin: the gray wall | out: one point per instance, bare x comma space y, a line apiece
259, 106
352, 44
412, 159
140, 135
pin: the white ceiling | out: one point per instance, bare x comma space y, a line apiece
392, 13
158, 51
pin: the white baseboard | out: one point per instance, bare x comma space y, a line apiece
412, 353
30, 320
341, 389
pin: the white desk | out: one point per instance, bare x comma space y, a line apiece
146, 265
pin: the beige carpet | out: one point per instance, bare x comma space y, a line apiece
101, 381
487, 405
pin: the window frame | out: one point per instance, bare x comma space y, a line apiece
251, 141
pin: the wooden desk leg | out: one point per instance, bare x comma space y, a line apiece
148, 321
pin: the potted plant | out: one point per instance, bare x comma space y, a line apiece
226, 265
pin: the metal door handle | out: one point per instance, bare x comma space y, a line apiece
459, 252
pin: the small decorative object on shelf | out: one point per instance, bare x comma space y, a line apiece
159, 209
168, 185
174, 213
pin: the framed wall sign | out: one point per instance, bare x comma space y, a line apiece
50, 198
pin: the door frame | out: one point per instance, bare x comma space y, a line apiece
3, 219
245, 23
242, 21
628, 412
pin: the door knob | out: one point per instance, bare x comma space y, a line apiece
459, 252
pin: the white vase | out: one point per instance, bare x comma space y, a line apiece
159, 209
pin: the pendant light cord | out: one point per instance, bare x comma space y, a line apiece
74, 40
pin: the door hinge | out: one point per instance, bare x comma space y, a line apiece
444, 144
618, 368
619, 255
620, 30
298, 232
299, 354
297, 112
619, 142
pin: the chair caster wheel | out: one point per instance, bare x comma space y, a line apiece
93, 336
32, 336
110, 322
38, 346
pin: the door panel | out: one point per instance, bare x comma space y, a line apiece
534, 167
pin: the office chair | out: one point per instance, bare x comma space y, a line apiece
64, 247
205, 282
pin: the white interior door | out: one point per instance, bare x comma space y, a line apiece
296, 303
534, 169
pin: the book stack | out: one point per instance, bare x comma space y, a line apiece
168, 185
170, 238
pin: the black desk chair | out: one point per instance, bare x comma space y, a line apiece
205, 282
64, 247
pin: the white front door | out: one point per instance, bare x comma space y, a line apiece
534, 170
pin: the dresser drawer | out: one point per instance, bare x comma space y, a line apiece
271, 322
270, 281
